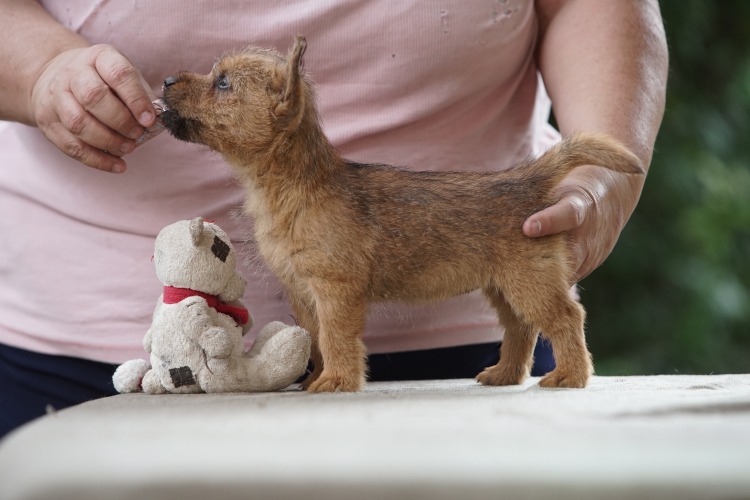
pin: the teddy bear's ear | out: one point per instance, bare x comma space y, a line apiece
196, 230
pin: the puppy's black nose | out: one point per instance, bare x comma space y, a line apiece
170, 81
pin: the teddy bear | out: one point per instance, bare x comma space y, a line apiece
195, 339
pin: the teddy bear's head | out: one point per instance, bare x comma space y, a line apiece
198, 255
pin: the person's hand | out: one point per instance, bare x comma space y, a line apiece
595, 203
92, 103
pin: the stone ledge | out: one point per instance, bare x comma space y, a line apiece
622, 437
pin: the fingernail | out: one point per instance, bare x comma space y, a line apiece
146, 118
118, 168
127, 147
536, 228
136, 133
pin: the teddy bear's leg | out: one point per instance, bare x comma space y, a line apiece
264, 335
282, 360
128, 376
151, 383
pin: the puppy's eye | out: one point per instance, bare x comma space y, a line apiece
222, 82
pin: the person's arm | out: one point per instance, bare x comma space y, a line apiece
604, 64
85, 99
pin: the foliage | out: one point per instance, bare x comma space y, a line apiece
674, 296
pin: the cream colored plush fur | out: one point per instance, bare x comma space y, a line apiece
193, 347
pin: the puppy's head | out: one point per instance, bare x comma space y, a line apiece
245, 102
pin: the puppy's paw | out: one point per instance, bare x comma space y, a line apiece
315, 375
564, 379
501, 375
330, 383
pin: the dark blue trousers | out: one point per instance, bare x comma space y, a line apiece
29, 381
464, 361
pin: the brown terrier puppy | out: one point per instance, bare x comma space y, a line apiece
341, 235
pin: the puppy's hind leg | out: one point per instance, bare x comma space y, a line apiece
517, 348
540, 297
563, 326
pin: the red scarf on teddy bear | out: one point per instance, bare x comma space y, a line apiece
173, 295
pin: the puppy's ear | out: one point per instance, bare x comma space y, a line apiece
291, 96
196, 230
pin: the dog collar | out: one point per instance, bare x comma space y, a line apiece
173, 295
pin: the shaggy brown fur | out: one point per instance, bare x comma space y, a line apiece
341, 236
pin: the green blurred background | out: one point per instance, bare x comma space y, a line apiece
674, 296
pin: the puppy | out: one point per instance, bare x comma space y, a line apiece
341, 235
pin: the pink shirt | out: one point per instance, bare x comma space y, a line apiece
448, 85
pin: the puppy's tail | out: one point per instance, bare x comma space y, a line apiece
584, 148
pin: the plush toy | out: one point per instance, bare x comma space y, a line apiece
195, 339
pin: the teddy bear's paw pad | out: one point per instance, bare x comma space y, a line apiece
128, 376
500, 376
558, 378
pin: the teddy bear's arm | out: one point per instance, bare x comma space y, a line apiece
250, 320
148, 337
147, 341
217, 342
159, 303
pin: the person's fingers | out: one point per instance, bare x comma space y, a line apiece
61, 137
579, 253
96, 98
126, 82
566, 214
81, 114
594, 205
85, 127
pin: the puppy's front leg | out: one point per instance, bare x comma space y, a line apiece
341, 317
308, 320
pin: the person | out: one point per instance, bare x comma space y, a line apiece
427, 86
